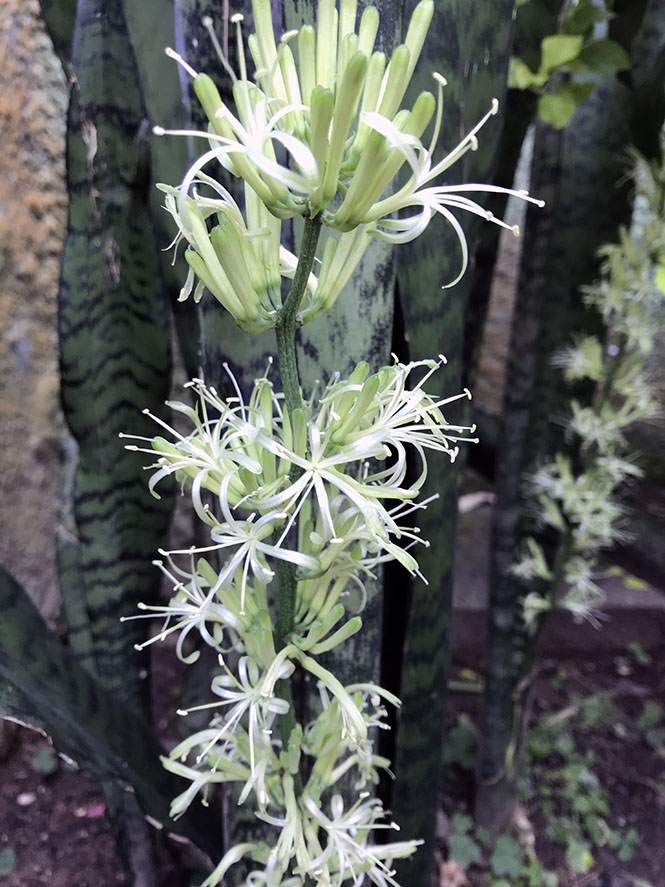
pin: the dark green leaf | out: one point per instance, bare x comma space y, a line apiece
650, 716
42, 685
461, 823
151, 28
114, 342
460, 747
605, 57
581, 18
59, 17
579, 90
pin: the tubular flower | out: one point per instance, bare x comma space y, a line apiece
336, 518
240, 263
318, 132
244, 454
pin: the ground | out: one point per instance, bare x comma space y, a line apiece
55, 825
600, 705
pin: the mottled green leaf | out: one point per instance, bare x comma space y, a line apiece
114, 340
434, 320
43, 686
151, 28
59, 17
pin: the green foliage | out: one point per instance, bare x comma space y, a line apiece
571, 51
503, 858
42, 685
570, 794
45, 760
639, 654
7, 861
507, 858
461, 745
660, 277
461, 845
650, 725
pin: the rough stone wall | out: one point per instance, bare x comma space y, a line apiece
33, 104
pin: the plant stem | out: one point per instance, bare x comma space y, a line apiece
288, 316
285, 331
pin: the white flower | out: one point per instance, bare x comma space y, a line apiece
306, 110
192, 607
249, 540
365, 205
248, 696
321, 136
201, 780
244, 453
347, 855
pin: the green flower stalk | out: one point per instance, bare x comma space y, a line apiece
578, 494
301, 499
334, 519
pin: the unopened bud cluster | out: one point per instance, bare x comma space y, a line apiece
318, 131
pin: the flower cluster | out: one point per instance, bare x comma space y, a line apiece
577, 494
318, 495
335, 518
316, 133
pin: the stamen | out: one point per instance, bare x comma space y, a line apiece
172, 54
441, 81
237, 20
208, 25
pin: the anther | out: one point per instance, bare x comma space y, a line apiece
172, 54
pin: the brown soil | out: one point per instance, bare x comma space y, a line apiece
55, 824
631, 771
